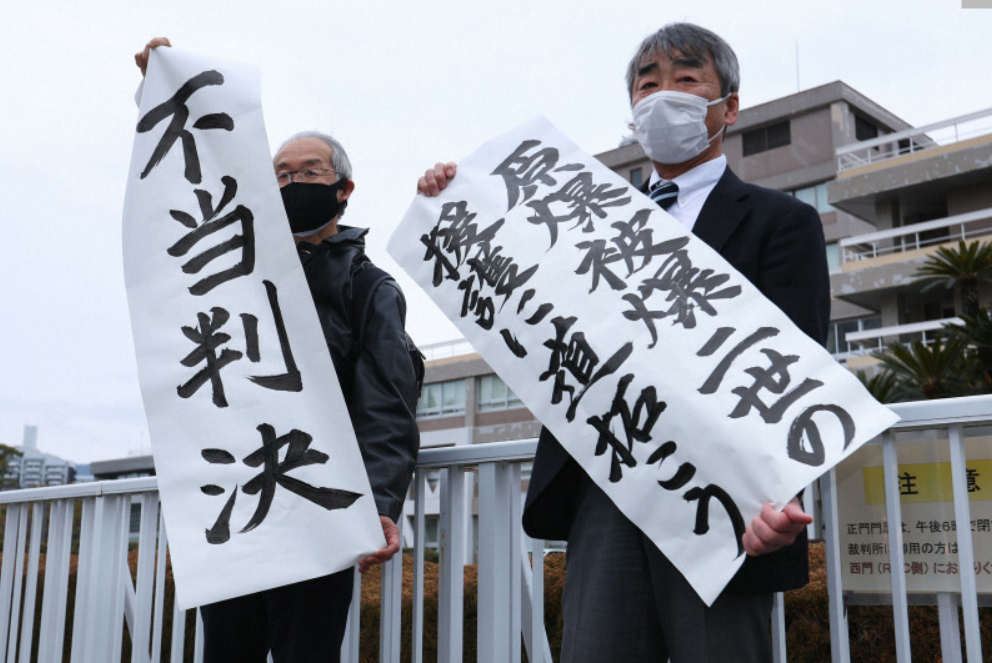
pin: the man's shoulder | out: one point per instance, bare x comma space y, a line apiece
763, 198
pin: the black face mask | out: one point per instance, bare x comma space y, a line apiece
310, 206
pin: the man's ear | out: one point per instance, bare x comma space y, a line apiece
345, 192
733, 107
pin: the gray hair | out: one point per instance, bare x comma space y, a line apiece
693, 41
339, 158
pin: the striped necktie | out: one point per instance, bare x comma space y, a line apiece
665, 194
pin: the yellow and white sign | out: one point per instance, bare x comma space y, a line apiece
929, 529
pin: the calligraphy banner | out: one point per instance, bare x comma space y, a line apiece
261, 478
683, 392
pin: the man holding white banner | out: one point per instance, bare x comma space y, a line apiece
361, 312
624, 600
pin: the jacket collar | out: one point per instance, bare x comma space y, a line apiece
722, 212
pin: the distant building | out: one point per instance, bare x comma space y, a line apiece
129, 467
888, 195
34, 468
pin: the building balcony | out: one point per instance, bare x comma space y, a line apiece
915, 172
902, 144
862, 344
908, 242
881, 263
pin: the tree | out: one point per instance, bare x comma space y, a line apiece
6, 455
938, 370
962, 269
976, 334
884, 386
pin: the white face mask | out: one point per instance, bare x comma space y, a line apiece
671, 126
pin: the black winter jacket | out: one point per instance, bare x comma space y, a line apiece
378, 384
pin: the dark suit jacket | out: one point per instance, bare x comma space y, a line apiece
775, 241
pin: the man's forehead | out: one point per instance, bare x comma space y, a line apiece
304, 152
673, 58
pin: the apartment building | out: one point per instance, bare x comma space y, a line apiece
35, 468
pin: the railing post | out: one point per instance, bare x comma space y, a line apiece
178, 633
56, 574
419, 543
161, 552
390, 606
778, 628
966, 553
893, 509
950, 636
353, 627
495, 566
9, 573
82, 620
840, 647
452, 561
141, 633
512, 482
16, 615
532, 606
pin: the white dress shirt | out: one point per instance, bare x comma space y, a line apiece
694, 188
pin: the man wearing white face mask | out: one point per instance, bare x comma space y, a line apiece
623, 600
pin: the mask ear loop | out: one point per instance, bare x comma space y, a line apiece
724, 129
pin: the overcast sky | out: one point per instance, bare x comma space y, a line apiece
402, 85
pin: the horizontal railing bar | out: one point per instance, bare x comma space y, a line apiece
76, 490
915, 228
912, 133
473, 454
913, 598
897, 330
942, 412
915, 415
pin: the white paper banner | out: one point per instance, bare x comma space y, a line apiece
261, 478
662, 371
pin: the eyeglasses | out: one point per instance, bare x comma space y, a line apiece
306, 175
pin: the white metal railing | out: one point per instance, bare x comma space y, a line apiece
916, 236
510, 567
913, 140
871, 340
946, 415
104, 590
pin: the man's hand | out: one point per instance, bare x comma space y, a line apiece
773, 529
436, 179
392, 533
141, 59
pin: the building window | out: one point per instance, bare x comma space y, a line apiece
493, 394
837, 337
636, 177
816, 196
766, 138
442, 399
863, 129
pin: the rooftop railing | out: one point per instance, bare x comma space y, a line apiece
872, 340
910, 141
447, 349
916, 236
510, 566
